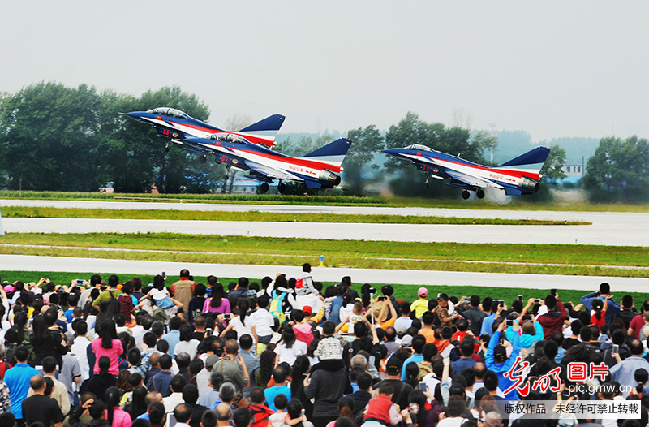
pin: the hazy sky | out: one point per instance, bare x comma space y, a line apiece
553, 68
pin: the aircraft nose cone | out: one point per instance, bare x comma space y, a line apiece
392, 151
135, 115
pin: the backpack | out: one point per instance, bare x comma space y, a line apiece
112, 307
424, 369
276, 307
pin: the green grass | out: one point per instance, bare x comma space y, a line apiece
401, 292
587, 260
256, 216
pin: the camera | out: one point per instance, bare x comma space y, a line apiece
371, 290
509, 322
537, 301
227, 316
382, 298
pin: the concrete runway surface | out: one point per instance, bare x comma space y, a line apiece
608, 228
412, 277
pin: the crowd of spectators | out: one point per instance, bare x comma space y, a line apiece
290, 352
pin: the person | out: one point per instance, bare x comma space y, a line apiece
182, 414
190, 396
552, 320
260, 413
107, 345
233, 368
60, 391
126, 305
474, 315
277, 419
421, 305
17, 379
99, 383
177, 384
418, 343
241, 322
326, 386
217, 303
295, 415
161, 382
364, 392
208, 399
401, 390
173, 336
262, 322
497, 360
251, 361
329, 348
281, 387
196, 304
187, 343
115, 416
223, 415
39, 407
46, 338
623, 371
382, 409
290, 347
183, 289
79, 348
156, 412
604, 291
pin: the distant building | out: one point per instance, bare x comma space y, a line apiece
574, 173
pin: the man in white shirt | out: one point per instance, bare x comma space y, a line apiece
262, 321
80, 348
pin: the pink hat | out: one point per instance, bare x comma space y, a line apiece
423, 292
9, 288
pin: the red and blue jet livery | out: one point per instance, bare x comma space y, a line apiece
517, 176
319, 169
177, 124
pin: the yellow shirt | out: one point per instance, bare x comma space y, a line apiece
419, 307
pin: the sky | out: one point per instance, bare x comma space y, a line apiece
552, 68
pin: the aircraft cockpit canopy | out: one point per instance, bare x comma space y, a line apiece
419, 147
170, 112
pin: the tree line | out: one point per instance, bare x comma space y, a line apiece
57, 138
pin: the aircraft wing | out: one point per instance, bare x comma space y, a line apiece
472, 180
268, 171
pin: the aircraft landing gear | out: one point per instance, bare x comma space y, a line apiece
263, 188
480, 193
426, 183
281, 187
202, 159
167, 147
466, 194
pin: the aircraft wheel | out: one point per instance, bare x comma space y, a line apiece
202, 159
281, 187
480, 193
166, 149
263, 188
466, 194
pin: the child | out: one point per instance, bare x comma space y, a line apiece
260, 412
421, 305
381, 408
303, 330
329, 350
277, 419
126, 306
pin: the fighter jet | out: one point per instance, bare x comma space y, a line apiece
177, 124
319, 169
517, 176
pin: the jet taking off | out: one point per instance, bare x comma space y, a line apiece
177, 124
319, 169
517, 176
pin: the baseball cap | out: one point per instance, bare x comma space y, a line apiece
393, 366
211, 361
423, 292
9, 288
307, 310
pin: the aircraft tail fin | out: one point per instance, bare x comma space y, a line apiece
535, 156
333, 153
264, 131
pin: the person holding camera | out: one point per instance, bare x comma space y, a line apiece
497, 359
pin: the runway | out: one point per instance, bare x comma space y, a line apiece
612, 229
410, 277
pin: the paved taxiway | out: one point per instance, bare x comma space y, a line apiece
411, 277
608, 228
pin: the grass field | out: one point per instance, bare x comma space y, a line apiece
490, 258
256, 216
401, 292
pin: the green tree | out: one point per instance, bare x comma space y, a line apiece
552, 168
620, 168
484, 141
48, 138
411, 130
361, 159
